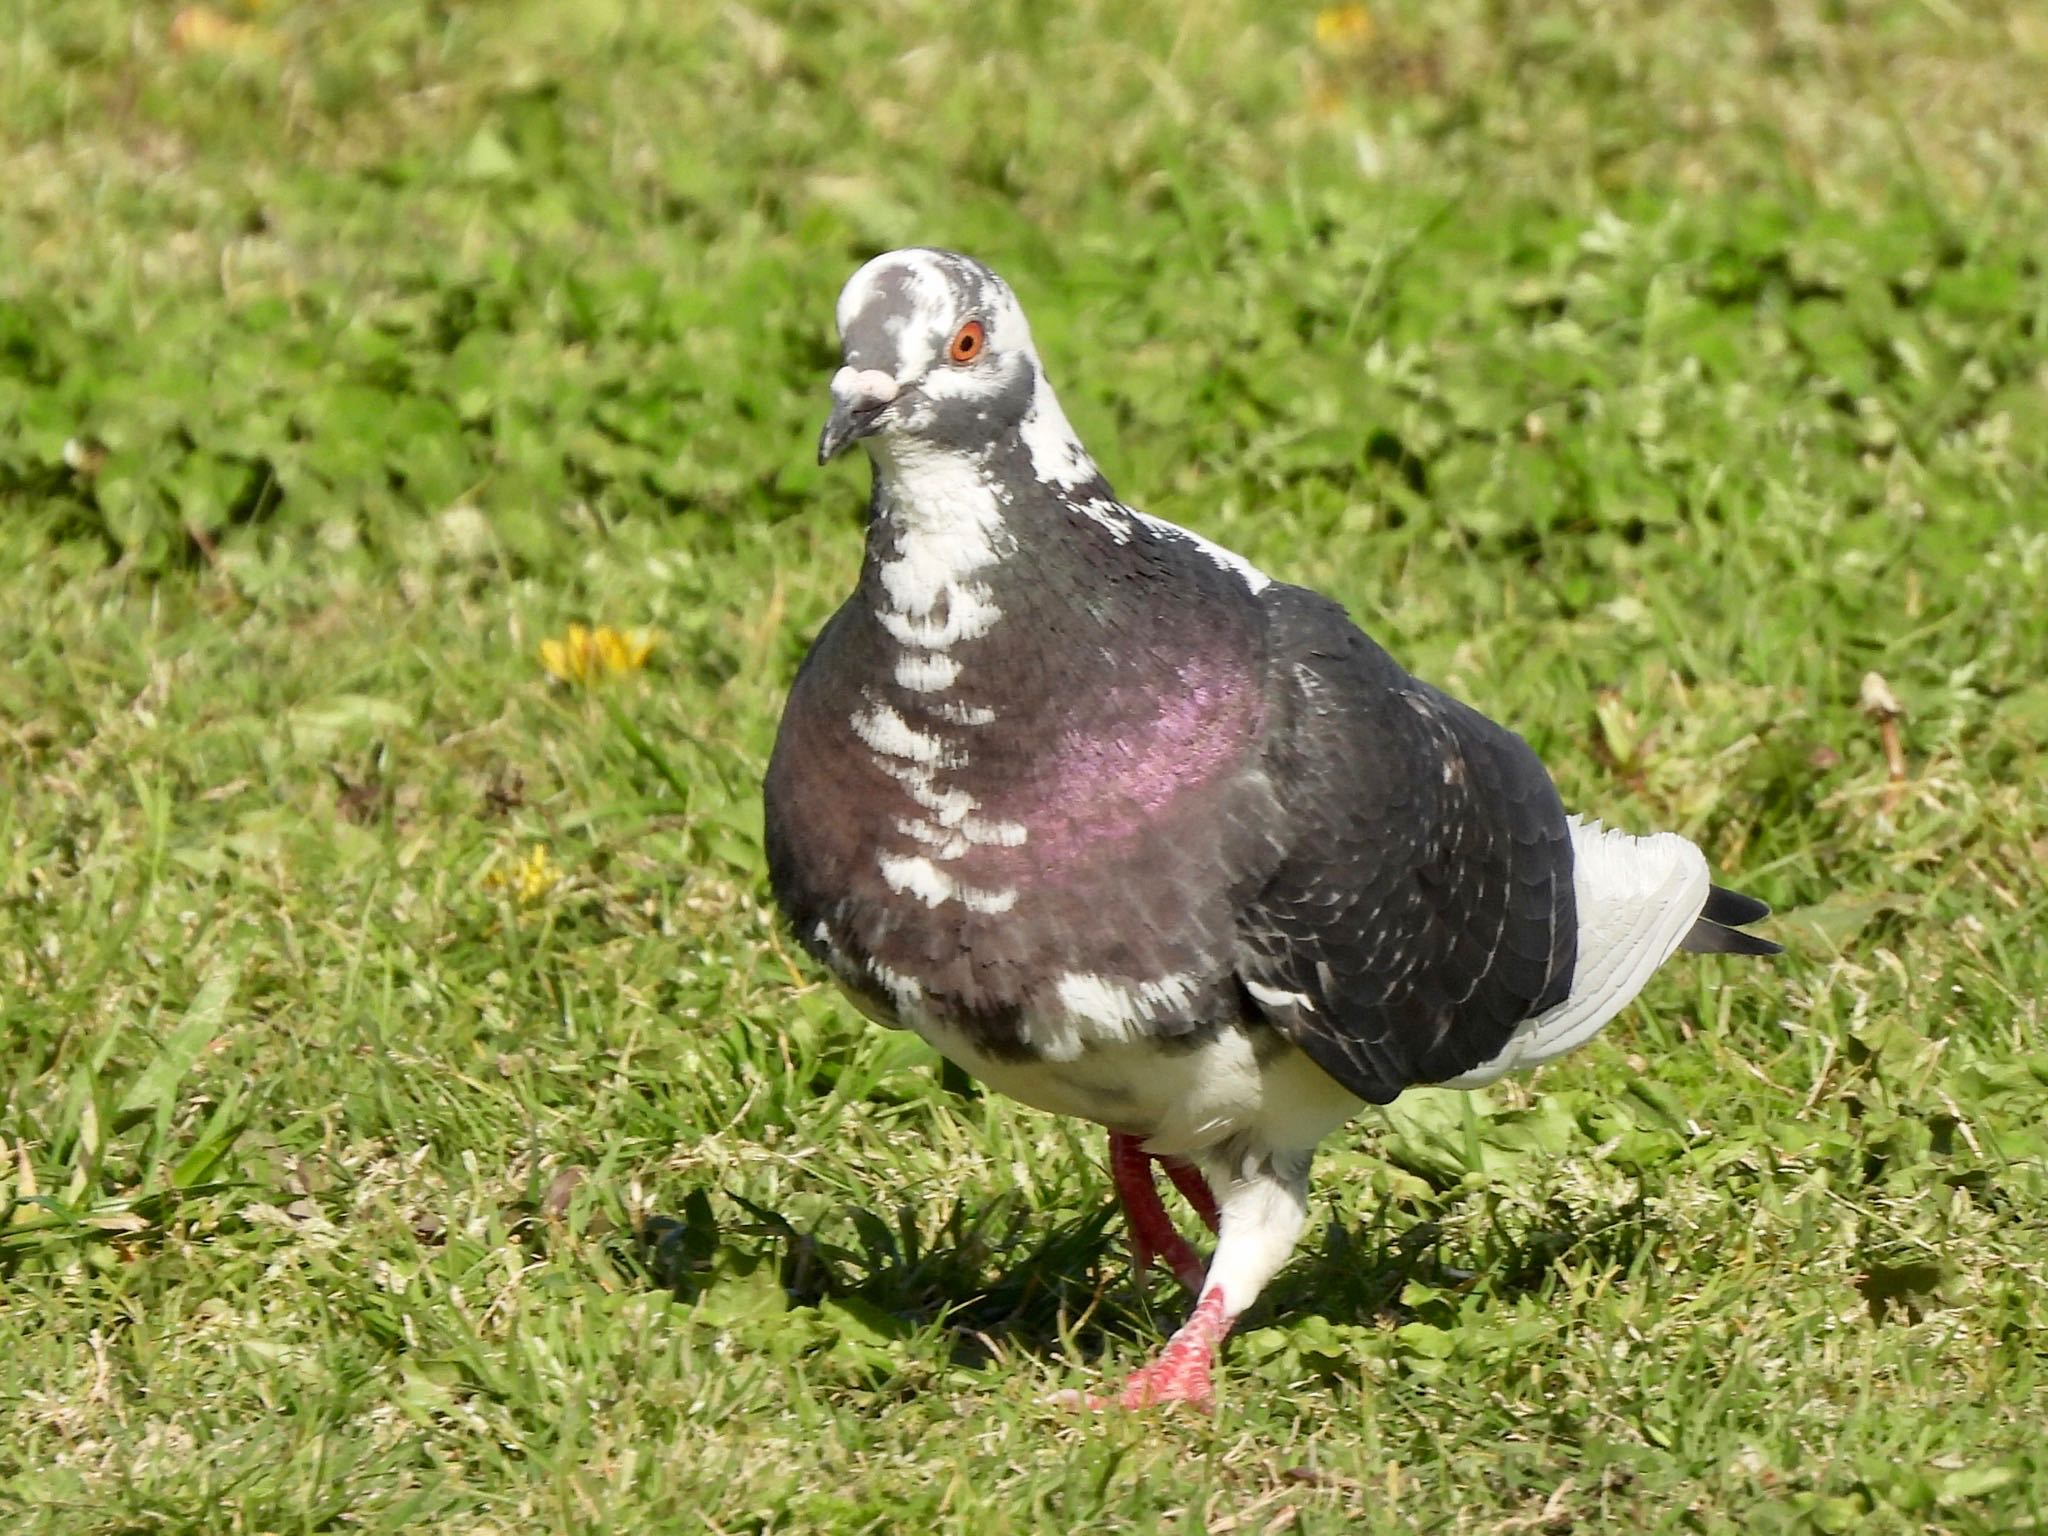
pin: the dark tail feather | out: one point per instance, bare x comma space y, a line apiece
1712, 939
1732, 909
1718, 930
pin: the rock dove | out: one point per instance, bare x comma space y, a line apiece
1129, 830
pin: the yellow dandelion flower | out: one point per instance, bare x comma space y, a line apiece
584, 655
528, 879
1344, 29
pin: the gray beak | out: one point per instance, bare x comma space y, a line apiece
858, 399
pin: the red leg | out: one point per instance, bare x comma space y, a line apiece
1181, 1373
1187, 1178
1153, 1234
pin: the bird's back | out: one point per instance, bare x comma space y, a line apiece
1423, 905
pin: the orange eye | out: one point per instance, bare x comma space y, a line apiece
968, 342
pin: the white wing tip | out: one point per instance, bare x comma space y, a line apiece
1656, 865
1637, 897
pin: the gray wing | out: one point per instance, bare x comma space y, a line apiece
1422, 904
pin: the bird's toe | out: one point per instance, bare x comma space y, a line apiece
1170, 1380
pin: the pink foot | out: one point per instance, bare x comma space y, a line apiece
1181, 1373
1169, 1381
1153, 1234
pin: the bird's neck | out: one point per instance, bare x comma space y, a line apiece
947, 521
939, 526
981, 561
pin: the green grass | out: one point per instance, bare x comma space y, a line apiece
1645, 373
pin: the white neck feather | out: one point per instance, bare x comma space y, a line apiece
942, 512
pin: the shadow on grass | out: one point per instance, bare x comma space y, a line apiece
991, 1274
1362, 1270
995, 1277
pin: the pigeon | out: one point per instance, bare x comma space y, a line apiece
1131, 831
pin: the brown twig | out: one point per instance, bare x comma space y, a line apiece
1882, 705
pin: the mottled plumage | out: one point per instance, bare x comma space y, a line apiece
1135, 833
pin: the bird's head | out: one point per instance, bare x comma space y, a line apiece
936, 352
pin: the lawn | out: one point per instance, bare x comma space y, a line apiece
411, 1118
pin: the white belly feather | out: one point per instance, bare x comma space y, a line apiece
1181, 1100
